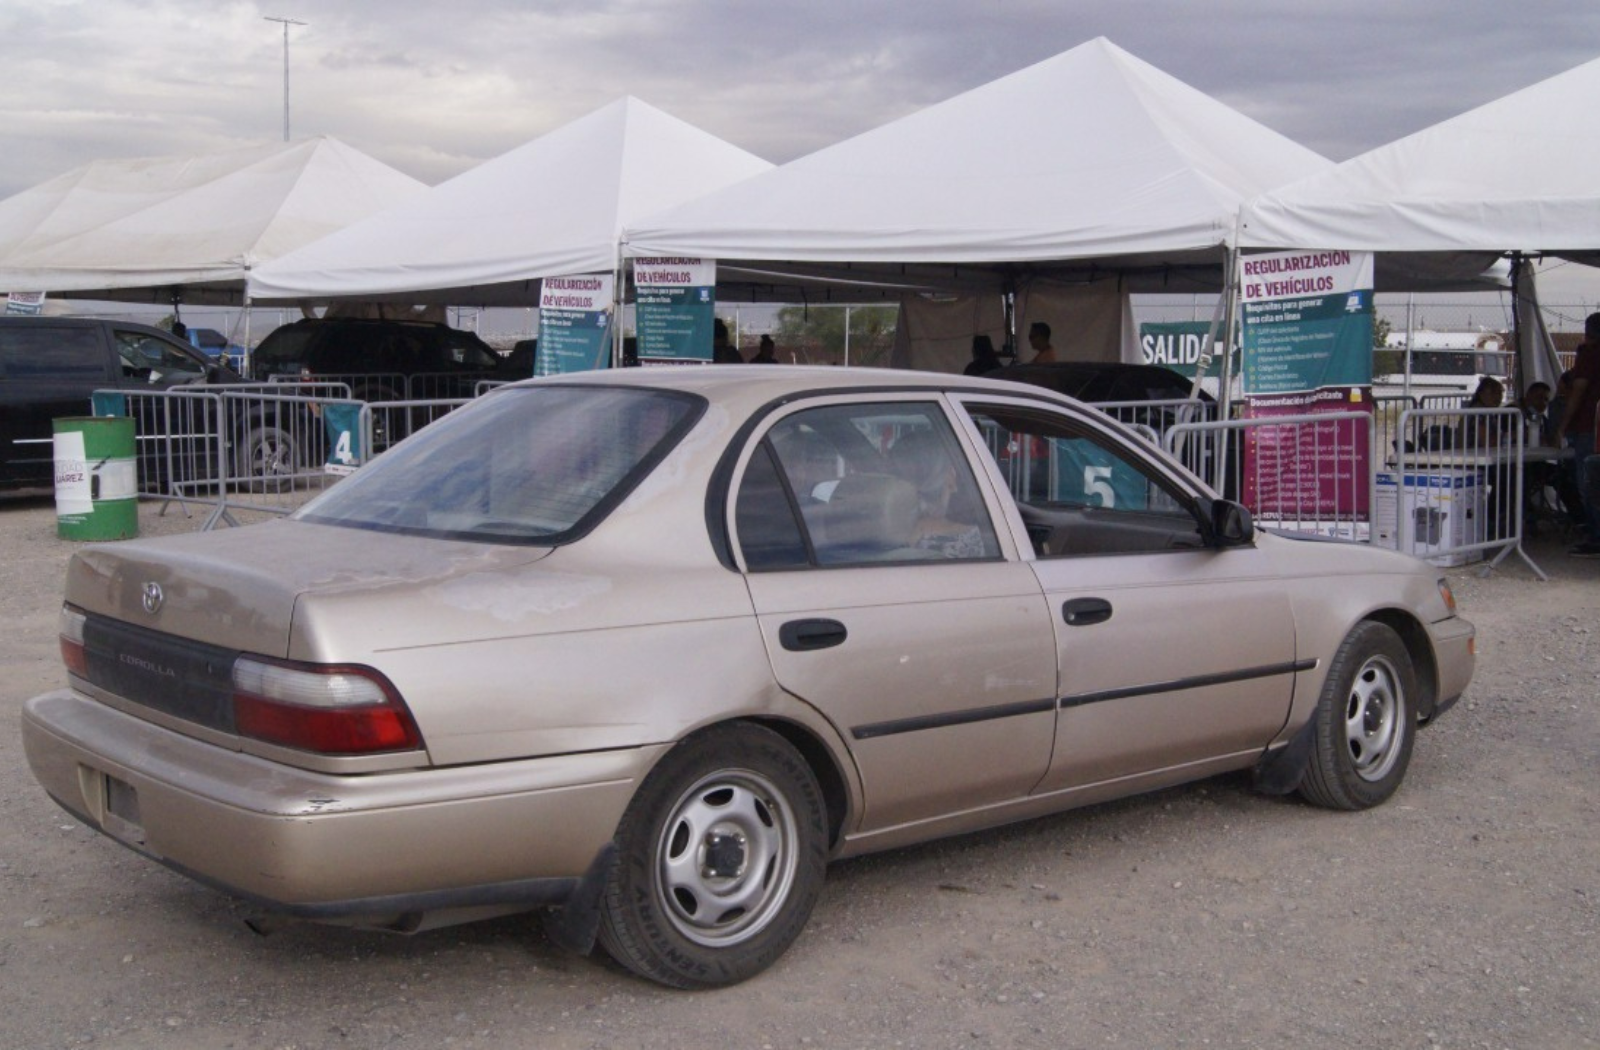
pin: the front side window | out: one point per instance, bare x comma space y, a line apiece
149, 357
861, 484
1079, 491
533, 466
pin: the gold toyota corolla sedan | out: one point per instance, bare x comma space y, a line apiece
647, 648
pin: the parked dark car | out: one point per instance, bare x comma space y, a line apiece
1103, 381
216, 346
382, 360
49, 367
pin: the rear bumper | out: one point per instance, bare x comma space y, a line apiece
326, 847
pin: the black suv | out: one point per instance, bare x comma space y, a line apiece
49, 367
382, 360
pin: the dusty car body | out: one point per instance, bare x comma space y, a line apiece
648, 648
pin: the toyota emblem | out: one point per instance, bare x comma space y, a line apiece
152, 597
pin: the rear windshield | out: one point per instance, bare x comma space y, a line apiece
536, 465
282, 352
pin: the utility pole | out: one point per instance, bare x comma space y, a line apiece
287, 22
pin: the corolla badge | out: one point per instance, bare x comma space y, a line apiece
153, 597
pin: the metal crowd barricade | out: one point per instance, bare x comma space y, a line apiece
229, 446
1450, 401
179, 441
483, 386
1301, 473
363, 386
1386, 411
1157, 416
1456, 486
279, 446
384, 423
436, 386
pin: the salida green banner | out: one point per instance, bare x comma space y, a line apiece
1177, 345
674, 302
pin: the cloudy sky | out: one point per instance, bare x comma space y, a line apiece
433, 87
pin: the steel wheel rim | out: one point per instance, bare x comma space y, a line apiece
272, 456
1374, 717
726, 858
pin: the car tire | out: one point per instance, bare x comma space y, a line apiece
1365, 722
267, 460
721, 858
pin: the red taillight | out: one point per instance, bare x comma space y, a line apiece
331, 710
72, 651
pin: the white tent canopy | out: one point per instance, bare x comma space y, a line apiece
1518, 174
1092, 154
190, 227
556, 205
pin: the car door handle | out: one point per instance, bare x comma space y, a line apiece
1081, 612
804, 635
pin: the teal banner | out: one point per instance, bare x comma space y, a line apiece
574, 324
1307, 321
343, 426
675, 300
108, 403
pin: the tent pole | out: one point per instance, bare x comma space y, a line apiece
619, 298
249, 352
1230, 291
1411, 339
1518, 261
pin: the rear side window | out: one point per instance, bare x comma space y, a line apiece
48, 350
769, 533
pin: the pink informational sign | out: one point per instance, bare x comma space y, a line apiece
1308, 471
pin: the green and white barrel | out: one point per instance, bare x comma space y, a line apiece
97, 478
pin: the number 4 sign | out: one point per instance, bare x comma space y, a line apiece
343, 425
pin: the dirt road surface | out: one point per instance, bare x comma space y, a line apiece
1464, 913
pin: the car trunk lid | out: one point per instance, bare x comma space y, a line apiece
165, 618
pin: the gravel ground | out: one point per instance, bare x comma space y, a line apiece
1464, 913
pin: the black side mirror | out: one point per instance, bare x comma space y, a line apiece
1228, 523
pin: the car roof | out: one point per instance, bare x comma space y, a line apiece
79, 322
752, 386
407, 322
1078, 373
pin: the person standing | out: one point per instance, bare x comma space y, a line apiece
722, 351
1039, 339
984, 359
1577, 430
767, 355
